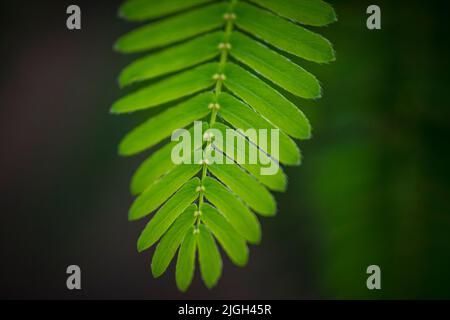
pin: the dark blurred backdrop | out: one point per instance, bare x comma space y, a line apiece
374, 187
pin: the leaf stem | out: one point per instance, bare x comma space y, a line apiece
229, 26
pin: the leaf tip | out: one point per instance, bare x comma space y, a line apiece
121, 152
135, 189
333, 15
140, 246
272, 213
114, 109
123, 80
118, 46
124, 149
156, 272
183, 286
133, 214
121, 13
256, 240
242, 262
131, 217
210, 284
333, 56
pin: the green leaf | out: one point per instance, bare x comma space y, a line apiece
171, 241
233, 244
246, 187
276, 182
158, 164
173, 59
239, 216
190, 65
309, 12
168, 213
170, 89
208, 256
162, 189
275, 67
164, 124
173, 29
186, 261
141, 10
242, 117
283, 34
267, 101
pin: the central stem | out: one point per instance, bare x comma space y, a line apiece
229, 17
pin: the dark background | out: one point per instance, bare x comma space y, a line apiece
374, 187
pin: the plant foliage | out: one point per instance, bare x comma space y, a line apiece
234, 55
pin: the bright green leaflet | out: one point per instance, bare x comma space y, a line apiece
158, 192
242, 117
158, 164
283, 34
173, 59
168, 213
173, 29
186, 261
267, 101
140, 10
239, 216
313, 13
208, 256
227, 64
233, 244
282, 71
161, 126
170, 89
276, 182
170, 242
246, 187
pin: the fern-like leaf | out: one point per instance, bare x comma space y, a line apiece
233, 55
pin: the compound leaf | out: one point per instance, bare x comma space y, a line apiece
229, 65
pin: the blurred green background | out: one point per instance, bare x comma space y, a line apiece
374, 186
